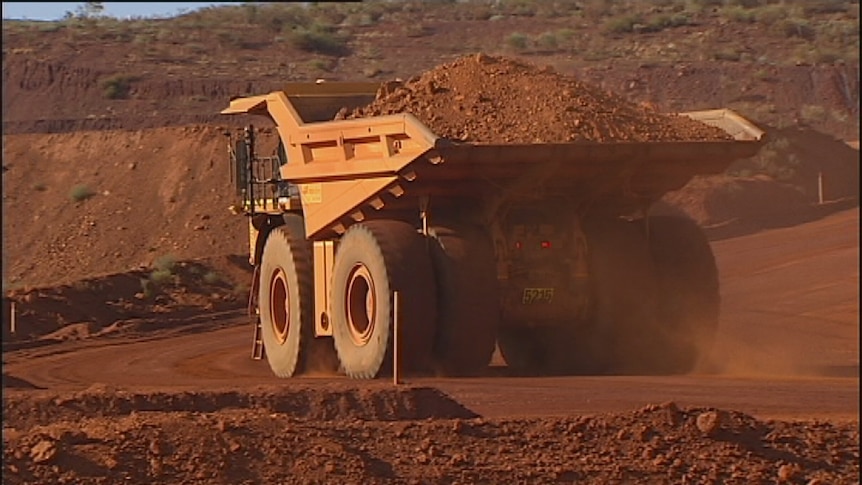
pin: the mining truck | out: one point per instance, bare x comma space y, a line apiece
374, 237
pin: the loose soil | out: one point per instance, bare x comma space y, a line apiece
407, 435
490, 99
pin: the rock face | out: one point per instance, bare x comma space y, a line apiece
485, 99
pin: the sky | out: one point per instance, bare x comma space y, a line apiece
56, 10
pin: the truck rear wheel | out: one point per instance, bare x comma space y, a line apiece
468, 315
620, 336
374, 259
285, 297
689, 291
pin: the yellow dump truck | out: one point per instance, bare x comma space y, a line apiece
549, 251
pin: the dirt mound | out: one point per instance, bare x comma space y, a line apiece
372, 402
489, 99
165, 295
726, 206
658, 444
810, 160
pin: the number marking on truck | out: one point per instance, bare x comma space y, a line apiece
311, 193
537, 295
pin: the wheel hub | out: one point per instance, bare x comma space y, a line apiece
361, 304
279, 306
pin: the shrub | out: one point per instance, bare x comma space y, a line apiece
370, 71
565, 35
322, 64
211, 278
81, 192
740, 15
117, 87
727, 55
661, 22
165, 263
517, 41
771, 14
622, 25
547, 41
319, 39
161, 277
797, 28
763, 75
813, 113
417, 30
746, 4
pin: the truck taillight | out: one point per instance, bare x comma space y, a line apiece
518, 245
546, 244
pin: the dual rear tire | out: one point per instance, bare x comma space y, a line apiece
655, 305
447, 299
374, 260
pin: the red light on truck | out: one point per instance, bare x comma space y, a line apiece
518, 245
546, 244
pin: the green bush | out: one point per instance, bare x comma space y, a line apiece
161, 277
740, 15
165, 263
797, 28
325, 65
211, 278
661, 22
319, 39
813, 113
727, 55
118, 86
622, 25
547, 41
565, 35
81, 192
517, 41
771, 14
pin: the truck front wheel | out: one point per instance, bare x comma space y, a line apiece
285, 297
374, 260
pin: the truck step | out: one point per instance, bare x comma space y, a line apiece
257, 345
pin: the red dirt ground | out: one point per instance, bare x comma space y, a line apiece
202, 412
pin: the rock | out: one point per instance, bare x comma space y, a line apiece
43, 451
787, 471
671, 412
709, 422
155, 448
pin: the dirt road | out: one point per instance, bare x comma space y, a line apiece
777, 401
788, 346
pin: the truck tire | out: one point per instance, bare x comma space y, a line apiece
689, 298
468, 313
285, 297
620, 336
374, 259
551, 349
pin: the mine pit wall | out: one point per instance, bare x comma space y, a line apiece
55, 97
156, 192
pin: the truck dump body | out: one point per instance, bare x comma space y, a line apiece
349, 170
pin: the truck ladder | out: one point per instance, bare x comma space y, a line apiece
254, 312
